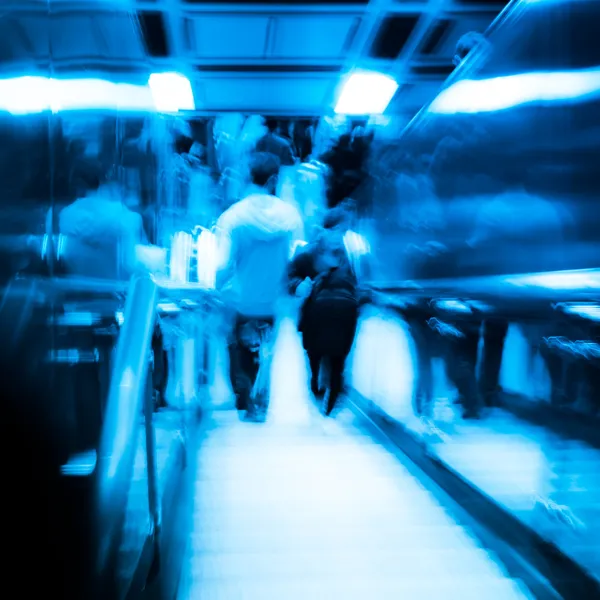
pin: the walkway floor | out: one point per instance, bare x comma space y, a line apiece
303, 507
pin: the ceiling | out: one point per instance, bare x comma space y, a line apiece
284, 57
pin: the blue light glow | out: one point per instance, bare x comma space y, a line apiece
566, 280
165, 92
453, 306
500, 93
80, 465
171, 92
586, 311
30, 95
366, 93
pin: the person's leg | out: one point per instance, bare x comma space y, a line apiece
462, 362
336, 375
424, 389
262, 361
494, 334
242, 367
314, 360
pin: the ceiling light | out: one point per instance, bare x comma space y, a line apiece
500, 93
172, 92
366, 93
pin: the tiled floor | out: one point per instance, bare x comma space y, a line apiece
550, 483
311, 508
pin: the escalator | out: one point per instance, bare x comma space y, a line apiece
321, 509
157, 504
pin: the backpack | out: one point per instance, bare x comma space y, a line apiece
337, 284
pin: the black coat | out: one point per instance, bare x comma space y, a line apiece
330, 314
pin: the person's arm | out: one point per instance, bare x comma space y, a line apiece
301, 267
298, 240
289, 160
225, 250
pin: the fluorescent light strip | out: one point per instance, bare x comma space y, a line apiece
366, 93
171, 92
165, 92
500, 93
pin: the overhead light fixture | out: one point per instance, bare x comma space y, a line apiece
366, 93
500, 93
172, 92
165, 92
32, 94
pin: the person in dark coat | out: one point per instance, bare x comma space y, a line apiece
273, 143
322, 274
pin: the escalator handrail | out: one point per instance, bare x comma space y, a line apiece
74, 284
125, 402
552, 286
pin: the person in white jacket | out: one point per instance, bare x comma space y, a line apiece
256, 237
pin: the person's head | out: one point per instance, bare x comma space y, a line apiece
86, 177
90, 175
337, 219
272, 125
345, 141
183, 144
264, 170
465, 44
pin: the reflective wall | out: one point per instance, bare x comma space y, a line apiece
498, 376
501, 168
78, 164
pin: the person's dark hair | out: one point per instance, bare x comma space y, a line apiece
334, 217
263, 167
183, 144
272, 125
87, 176
344, 141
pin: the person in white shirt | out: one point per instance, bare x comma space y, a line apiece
256, 237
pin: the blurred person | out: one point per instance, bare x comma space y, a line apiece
101, 231
274, 143
323, 275
346, 163
456, 341
255, 241
303, 139
535, 229
468, 42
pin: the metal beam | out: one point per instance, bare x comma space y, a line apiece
372, 19
174, 23
401, 66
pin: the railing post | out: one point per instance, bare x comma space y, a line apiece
154, 505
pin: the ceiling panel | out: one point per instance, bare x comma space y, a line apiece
420, 94
24, 39
229, 36
280, 2
447, 45
313, 36
414, 95
99, 35
299, 94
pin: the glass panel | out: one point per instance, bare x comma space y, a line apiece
499, 176
500, 163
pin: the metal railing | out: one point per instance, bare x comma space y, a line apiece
127, 398
547, 294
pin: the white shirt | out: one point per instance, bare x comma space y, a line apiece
256, 237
